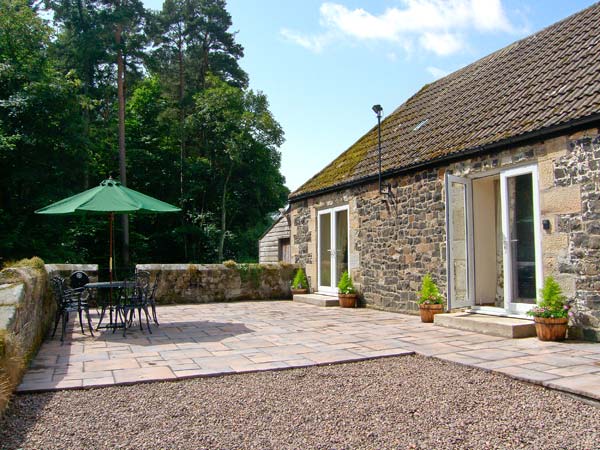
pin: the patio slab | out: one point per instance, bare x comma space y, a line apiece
220, 338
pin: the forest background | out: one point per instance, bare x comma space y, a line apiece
76, 75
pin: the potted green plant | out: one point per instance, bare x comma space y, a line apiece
346, 292
551, 314
299, 284
430, 300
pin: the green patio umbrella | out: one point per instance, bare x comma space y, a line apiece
110, 197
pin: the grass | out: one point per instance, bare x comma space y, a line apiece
12, 367
33, 263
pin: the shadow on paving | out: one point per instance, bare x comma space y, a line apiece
58, 363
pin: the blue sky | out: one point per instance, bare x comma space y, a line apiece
323, 64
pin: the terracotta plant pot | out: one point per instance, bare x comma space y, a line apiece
548, 329
299, 291
347, 300
428, 311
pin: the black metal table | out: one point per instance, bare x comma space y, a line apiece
110, 305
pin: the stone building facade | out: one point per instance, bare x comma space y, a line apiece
489, 183
394, 240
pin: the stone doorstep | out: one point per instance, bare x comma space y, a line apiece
317, 299
506, 327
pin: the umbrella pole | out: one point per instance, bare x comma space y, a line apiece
110, 258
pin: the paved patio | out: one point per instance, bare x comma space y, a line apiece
219, 338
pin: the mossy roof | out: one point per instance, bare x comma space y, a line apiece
545, 80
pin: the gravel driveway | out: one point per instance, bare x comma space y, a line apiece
402, 402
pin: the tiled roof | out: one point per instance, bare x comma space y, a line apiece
543, 81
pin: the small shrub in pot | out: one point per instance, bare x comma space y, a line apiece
346, 292
299, 284
431, 302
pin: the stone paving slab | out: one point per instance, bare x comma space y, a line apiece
221, 338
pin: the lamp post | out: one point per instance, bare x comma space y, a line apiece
377, 109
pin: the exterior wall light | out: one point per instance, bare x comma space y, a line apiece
377, 109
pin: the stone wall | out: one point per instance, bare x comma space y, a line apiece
394, 241
26, 309
576, 217
397, 239
204, 283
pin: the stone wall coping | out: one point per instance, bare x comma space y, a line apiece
62, 267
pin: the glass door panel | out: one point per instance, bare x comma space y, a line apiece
325, 250
458, 206
520, 212
522, 247
341, 244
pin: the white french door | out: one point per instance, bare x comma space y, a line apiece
459, 244
333, 238
520, 275
522, 247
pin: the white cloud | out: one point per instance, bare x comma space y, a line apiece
441, 44
436, 24
313, 43
437, 73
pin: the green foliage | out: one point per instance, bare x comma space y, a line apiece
300, 281
552, 304
58, 131
250, 273
345, 286
430, 293
230, 264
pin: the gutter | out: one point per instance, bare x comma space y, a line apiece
481, 150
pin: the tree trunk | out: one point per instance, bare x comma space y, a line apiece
204, 65
122, 156
224, 213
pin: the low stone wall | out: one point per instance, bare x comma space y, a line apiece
27, 309
205, 283
65, 270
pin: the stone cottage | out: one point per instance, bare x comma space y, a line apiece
491, 182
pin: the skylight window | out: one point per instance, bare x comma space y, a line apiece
420, 125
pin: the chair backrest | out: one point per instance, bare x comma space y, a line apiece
78, 279
142, 283
58, 286
152, 294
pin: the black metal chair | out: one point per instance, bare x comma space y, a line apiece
69, 300
78, 279
151, 301
134, 299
